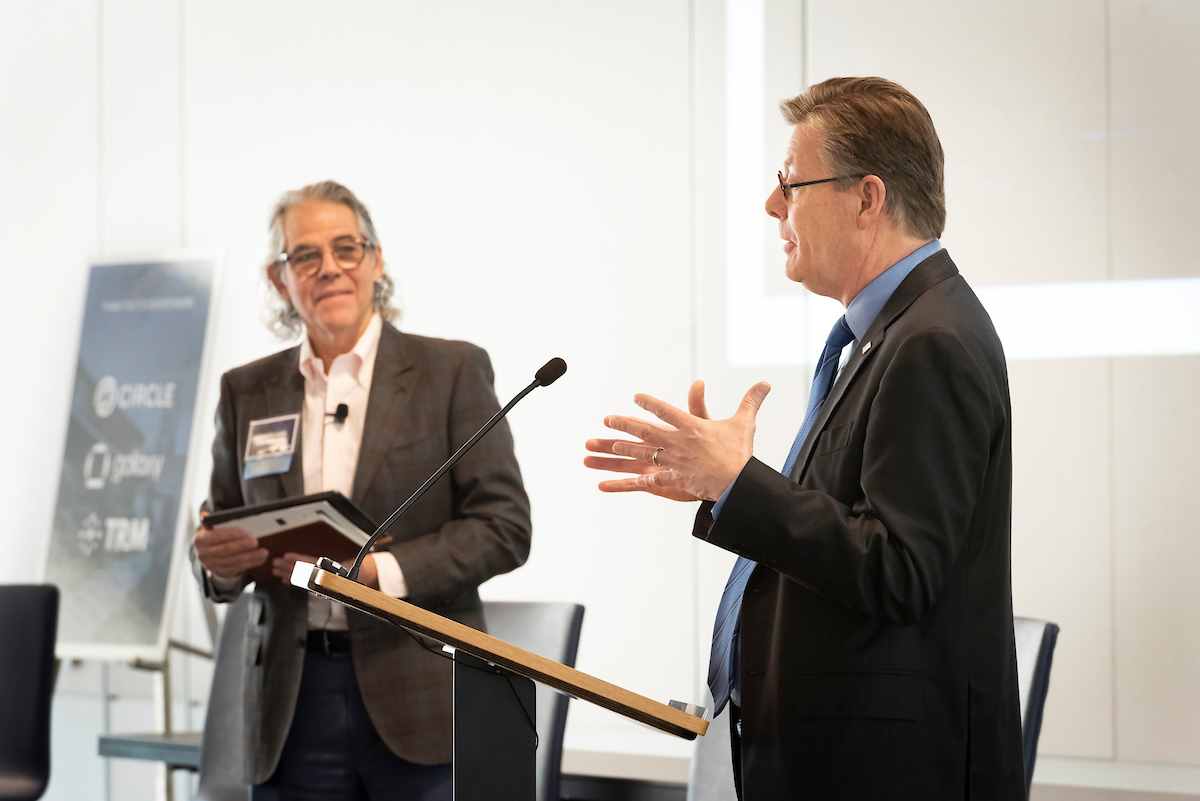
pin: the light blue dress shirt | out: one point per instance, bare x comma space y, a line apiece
863, 310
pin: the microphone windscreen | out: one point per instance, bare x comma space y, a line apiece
551, 371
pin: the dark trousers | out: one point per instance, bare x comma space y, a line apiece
333, 752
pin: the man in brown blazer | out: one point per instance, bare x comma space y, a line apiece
391, 735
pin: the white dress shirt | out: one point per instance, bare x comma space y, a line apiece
330, 449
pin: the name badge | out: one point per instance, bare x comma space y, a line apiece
270, 445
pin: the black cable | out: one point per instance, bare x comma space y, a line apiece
508, 678
498, 671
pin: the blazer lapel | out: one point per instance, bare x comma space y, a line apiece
857, 359
392, 385
286, 396
933, 270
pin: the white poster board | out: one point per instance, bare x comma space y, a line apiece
119, 521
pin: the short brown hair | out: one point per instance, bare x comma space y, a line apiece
872, 126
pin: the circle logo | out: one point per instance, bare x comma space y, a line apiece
104, 399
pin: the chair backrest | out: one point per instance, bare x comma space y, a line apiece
28, 626
221, 753
711, 777
1035, 651
550, 630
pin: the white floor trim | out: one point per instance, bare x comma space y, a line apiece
1117, 775
1067, 771
626, 766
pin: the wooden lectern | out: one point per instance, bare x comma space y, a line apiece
494, 733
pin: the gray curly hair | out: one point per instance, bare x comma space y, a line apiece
282, 318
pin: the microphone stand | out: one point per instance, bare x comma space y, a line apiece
549, 373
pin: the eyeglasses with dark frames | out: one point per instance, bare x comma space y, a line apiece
305, 261
784, 189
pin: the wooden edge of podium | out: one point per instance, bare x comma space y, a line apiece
524, 663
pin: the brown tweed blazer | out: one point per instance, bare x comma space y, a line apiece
427, 397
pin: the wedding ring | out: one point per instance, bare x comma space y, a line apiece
654, 456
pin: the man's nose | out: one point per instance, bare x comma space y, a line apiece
329, 265
775, 205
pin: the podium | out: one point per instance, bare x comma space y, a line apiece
494, 734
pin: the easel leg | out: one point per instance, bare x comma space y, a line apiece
162, 713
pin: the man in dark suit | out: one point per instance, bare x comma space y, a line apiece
864, 643
338, 704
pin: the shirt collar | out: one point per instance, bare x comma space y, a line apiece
867, 304
362, 354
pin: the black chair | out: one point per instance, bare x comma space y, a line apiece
711, 777
1035, 651
550, 630
221, 753
28, 625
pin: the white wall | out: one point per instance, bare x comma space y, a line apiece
585, 181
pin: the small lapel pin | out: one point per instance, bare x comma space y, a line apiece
866, 348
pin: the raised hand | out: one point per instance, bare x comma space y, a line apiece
691, 458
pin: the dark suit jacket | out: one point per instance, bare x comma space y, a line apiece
428, 396
877, 652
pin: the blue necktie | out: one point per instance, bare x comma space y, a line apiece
724, 674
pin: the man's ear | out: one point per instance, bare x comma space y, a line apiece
872, 195
277, 280
379, 263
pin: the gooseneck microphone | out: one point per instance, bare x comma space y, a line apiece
551, 371
339, 416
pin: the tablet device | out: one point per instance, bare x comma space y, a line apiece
323, 524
